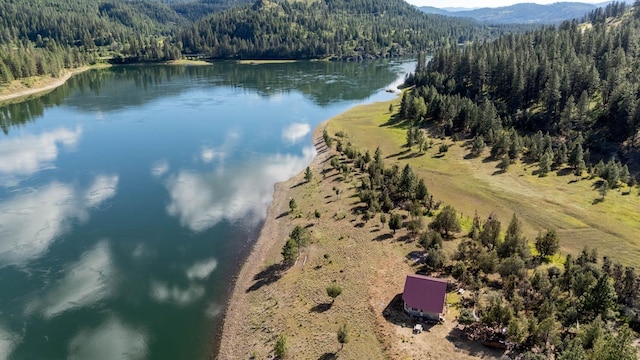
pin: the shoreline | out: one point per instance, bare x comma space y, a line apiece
270, 235
49, 83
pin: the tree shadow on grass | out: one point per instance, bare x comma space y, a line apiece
299, 184
283, 214
407, 238
320, 308
267, 276
383, 237
412, 155
328, 356
394, 121
401, 153
565, 171
488, 159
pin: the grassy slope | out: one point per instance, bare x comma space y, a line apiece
573, 208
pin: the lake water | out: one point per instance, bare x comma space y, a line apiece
130, 196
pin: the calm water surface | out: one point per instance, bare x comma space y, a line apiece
130, 196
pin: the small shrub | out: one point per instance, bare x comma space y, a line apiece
281, 347
334, 290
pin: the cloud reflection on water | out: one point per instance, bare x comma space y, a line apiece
201, 200
295, 132
28, 154
159, 168
103, 188
86, 282
112, 340
31, 221
208, 154
201, 270
162, 292
8, 342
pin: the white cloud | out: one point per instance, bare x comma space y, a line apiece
162, 292
31, 221
200, 201
295, 132
201, 270
28, 154
8, 342
160, 168
86, 282
112, 340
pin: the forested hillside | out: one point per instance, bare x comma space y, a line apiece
330, 28
556, 96
42, 38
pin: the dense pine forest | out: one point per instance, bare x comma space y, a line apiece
342, 29
556, 96
42, 38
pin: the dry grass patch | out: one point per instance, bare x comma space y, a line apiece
572, 207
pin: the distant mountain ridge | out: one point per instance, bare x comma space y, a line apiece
525, 13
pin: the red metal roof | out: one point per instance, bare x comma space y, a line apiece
425, 292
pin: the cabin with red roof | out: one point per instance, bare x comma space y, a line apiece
424, 296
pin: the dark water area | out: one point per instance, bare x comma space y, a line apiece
130, 196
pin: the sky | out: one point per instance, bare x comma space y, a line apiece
486, 3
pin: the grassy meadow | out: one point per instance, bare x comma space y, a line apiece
570, 204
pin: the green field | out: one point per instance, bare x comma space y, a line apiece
569, 204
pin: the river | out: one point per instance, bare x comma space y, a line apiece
130, 196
